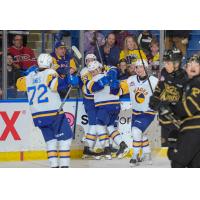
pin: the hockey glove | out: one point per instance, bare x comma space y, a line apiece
112, 74
114, 85
154, 103
166, 112
73, 80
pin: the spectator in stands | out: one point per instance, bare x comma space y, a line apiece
154, 57
23, 56
90, 38
12, 75
179, 38
109, 51
63, 61
122, 66
130, 50
120, 37
144, 40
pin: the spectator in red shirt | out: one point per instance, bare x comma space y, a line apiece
23, 56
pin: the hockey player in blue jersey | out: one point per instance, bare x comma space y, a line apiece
42, 88
107, 103
139, 89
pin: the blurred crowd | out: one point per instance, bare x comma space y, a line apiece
114, 48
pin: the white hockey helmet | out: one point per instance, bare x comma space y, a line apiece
140, 63
90, 56
94, 65
44, 60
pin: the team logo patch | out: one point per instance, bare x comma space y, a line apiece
139, 97
70, 118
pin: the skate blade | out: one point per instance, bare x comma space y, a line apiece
108, 157
86, 157
98, 157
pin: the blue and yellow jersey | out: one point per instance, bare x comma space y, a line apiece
42, 90
135, 52
139, 91
102, 94
62, 63
85, 78
156, 57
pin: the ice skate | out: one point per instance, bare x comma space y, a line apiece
123, 150
134, 162
88, 154
113, 150
107, 153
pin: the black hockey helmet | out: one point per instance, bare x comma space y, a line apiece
194, 58
172, 55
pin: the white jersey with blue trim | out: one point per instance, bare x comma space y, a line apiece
42, 91
102, 97
140, 92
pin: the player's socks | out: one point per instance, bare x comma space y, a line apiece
137, 137
64, 152
102, 135
52, 153
114, 134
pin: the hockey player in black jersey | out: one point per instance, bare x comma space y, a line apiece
169, 90
186, 150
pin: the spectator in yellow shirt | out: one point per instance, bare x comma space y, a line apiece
130, 50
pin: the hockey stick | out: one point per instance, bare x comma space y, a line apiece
144, 66
78, 58
98, 49
170, 117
